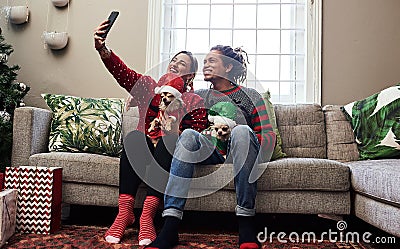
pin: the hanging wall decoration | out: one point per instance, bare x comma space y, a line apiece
56, 40
53, 39
60, 3
17, 14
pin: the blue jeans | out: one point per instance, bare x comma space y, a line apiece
193, 148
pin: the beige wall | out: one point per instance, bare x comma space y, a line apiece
77, 69
360, 47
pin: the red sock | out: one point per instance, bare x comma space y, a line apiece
147, 231
247, 233
249, 245
124, 218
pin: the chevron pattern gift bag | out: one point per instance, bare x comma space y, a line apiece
39, 197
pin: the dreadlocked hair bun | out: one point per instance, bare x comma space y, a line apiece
236, 57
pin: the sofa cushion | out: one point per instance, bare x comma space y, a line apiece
283, 174
81, 167
130, 120
91, 125
306, 174
302, 129
341, 145
377, 178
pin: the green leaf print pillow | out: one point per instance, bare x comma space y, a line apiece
376, 123
91, 125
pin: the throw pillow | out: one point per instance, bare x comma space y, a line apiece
91, 125
278, 152
376, 123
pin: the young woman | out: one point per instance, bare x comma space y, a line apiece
140, 157
251, 141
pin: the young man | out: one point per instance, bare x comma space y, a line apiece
252, 141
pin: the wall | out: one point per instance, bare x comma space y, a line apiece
360, 47
77, 69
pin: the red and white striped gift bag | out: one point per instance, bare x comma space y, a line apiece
39, 197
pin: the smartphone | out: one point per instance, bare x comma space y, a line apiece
111, 18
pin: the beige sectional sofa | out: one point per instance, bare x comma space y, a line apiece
320, 175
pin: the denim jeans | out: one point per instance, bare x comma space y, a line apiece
193, 148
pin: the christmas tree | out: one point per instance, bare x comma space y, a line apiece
11, 97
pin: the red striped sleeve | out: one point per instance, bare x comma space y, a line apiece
262, 126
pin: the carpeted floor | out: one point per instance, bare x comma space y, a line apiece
74, 236
87, 225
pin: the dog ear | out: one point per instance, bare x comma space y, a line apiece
211, 119
173, 118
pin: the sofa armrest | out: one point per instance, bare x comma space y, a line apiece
31, 128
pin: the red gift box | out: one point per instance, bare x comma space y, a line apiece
39, 197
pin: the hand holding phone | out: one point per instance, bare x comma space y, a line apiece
111, 19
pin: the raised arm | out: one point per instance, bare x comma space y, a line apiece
138, 85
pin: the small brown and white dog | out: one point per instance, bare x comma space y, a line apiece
221, 131
221, 127
171, 104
